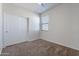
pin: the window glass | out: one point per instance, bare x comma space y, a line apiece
44, 23
45, 27
44, 19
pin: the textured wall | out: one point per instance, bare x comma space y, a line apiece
17, 11
63, 25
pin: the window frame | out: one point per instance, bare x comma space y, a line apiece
41, 24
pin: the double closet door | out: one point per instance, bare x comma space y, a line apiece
16, 29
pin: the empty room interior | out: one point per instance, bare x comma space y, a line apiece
39, 29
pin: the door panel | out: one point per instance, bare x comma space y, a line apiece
15, 29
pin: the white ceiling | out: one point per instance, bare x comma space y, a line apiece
36, 7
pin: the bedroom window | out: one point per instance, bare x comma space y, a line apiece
44, 23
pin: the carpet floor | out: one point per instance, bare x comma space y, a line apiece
38, 48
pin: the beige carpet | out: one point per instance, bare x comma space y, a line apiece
38, 48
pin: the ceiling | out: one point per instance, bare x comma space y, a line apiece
36, 7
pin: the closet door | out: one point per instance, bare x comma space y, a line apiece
15, 29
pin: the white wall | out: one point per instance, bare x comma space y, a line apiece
0, 27
33, 19
63, 25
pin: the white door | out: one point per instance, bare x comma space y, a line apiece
15, 29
